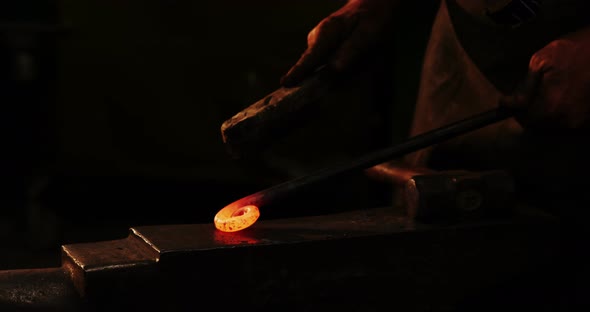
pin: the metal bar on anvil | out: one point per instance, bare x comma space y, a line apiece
351, 261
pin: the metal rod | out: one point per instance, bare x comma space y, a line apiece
412, 144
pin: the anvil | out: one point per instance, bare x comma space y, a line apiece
362, 260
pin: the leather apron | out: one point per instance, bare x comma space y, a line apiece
468, 65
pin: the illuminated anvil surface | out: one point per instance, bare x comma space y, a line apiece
350, 261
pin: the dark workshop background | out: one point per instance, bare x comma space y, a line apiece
111, 110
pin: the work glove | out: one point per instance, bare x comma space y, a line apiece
340, 39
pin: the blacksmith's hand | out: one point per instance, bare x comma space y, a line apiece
343, 37
555, 95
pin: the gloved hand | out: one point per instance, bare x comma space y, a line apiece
340, 39
555, 95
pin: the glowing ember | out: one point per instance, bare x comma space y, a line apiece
236, 217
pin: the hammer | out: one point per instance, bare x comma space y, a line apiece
273, 116
433, 196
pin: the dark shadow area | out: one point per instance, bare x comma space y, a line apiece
111, 113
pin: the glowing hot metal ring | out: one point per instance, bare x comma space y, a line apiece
236, 217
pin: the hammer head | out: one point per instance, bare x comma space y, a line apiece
459, 195
270, 118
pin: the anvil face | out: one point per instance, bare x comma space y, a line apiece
351, 261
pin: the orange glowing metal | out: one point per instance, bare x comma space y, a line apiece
236, 217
